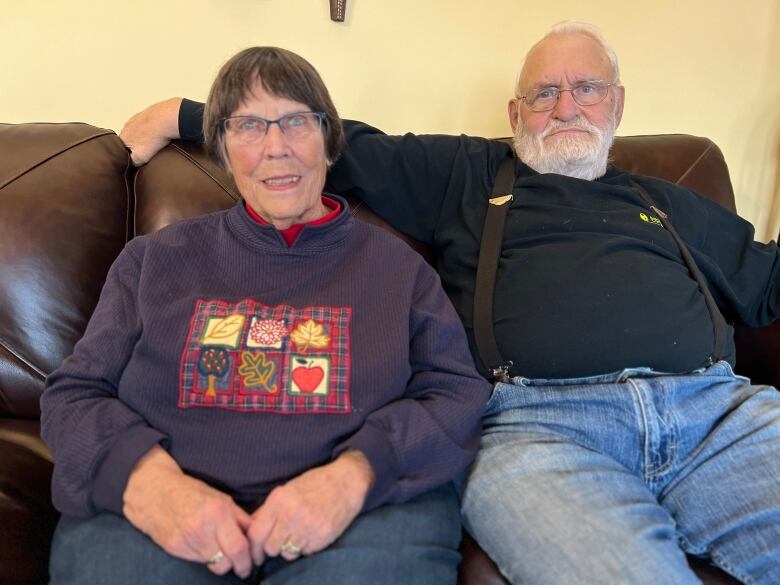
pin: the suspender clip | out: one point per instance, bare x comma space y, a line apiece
501, 373
501, 200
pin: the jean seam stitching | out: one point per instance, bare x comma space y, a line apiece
729, 568
645, 430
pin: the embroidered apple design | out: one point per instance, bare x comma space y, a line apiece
307, 377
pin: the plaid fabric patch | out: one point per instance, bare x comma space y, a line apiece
250, 357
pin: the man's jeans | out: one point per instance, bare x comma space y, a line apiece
415, 542
609, 479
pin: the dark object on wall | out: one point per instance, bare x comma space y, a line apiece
338, 8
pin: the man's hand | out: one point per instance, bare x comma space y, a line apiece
151, 130
186, 517
312, 510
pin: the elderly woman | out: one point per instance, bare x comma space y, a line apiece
275, 392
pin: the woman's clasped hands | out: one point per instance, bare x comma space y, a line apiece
194, 521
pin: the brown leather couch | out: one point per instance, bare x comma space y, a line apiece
70, 199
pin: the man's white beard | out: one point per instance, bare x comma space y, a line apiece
581, 155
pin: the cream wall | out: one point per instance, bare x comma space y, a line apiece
693, 66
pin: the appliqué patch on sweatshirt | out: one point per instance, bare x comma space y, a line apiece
251, 357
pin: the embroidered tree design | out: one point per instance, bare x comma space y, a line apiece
212, 362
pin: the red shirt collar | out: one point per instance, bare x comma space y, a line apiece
291, 233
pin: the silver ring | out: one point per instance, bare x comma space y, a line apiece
218, 556
289, 548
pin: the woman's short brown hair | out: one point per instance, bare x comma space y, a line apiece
282, 73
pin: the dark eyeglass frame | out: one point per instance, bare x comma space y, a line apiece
533, 95
321, 116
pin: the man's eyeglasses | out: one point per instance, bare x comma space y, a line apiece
585, 93
295, 126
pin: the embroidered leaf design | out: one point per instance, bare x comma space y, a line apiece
223, 330
310, 334
256, 370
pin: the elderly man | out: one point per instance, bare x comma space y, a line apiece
617, 437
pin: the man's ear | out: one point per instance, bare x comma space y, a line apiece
513, 113
620, 98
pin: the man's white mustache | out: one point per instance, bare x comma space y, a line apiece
578, 123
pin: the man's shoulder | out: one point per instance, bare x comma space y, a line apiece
681, 202
653, 184
668, 189
658, 183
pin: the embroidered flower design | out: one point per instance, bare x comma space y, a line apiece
268, 331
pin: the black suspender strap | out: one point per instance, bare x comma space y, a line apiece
487, 265
718, 321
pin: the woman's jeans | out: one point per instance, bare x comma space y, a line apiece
611, 479
415, 542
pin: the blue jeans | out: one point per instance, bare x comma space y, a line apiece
415, 542
611, 479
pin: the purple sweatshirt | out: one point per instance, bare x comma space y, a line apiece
251, 362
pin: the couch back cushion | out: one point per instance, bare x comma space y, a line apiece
67, 211
65, 205
181, 181
690, 161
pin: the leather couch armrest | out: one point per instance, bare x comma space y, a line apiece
757, 353
27, 517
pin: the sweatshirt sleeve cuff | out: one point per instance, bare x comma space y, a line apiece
191, 120
112, 474
373, 443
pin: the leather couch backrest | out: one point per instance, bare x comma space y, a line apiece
70, 198
181, 181
690, 161
65, 209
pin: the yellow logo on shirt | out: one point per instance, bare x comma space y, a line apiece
650, 219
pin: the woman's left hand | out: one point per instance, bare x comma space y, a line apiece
309, 512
